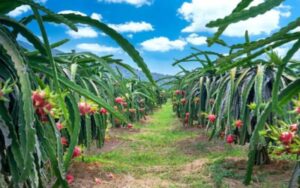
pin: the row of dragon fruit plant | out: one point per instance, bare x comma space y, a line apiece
53, 107
250, 94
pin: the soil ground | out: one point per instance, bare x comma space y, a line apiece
159, 152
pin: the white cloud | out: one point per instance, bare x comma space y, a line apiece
297, 29
96, 16
195, 39
285, 11
71, 12
282, 50
163, 44
83, 32
137, 3
200, 12
19, 11
133, 27
94, 47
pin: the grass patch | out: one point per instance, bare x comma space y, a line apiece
157, 150
220, 170
153, 146
163, 150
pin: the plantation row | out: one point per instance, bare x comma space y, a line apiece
228, 107
53, 108
251, 95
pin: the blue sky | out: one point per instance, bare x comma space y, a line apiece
161, 30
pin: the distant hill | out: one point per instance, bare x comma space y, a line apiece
124, 72
30, 47
139, 73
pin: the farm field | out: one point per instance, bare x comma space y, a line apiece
158, 152
149, 93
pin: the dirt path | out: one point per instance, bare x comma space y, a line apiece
160, 153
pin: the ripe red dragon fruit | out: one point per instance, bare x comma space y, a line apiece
294, 127
64, 141
230, 139
238, 123
103, 111
70, 178
211, 118
38, 98
129, 126
59, 126
84, 108
76, 152
40, 112
44, 103
286, 137
119, 100
48, 107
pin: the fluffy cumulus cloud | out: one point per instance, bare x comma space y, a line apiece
200, 12
137, 3
297, 29
19, 11
132, 27
23, 9
83, 32
195, 39
282, 50
163, 44
71, 12
94, 47
96, 16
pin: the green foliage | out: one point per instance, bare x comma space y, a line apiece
241, 14
247, 86
52, 104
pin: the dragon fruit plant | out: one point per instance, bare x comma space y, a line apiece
41, 125
286, 139
87, 107
45, 104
